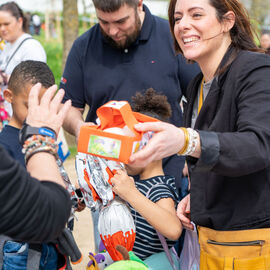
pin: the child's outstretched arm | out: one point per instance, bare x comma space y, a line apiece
161, 215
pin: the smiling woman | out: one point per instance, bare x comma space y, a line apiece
199, 33
227, 136
203, 31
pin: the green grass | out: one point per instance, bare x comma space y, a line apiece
54, 59
73, 151
53, 50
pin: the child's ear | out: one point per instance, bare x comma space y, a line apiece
8, 95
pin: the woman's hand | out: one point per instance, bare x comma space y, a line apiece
123, 185
48, 111
166, 141
183, 212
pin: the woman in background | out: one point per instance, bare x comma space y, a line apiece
19, 45
265, 42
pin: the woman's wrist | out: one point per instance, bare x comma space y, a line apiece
186, 142
197, 152
191, 145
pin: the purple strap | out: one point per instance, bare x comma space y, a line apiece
166, 249
163, 240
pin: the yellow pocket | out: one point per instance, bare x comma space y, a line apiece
210, 262
259, 263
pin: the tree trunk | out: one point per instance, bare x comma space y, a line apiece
70, 33
84, 22
58, 25
259, 9
70, 26
47, 18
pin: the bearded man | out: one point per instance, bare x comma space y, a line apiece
129, 50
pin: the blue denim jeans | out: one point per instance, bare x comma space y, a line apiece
15, 256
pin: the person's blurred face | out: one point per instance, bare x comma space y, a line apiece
19, 103
197, 30
265, 41
120, 28
10, 26
133, 170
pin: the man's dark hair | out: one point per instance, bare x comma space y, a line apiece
113, 5
30, 72
152, 104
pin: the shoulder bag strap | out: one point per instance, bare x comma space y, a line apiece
162, 239
15, 52
166, 249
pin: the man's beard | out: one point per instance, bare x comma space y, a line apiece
130, 39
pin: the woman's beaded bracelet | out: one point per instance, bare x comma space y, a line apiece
38, 143
191, 141
186, 134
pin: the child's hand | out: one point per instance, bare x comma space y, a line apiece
47, 111
123, 185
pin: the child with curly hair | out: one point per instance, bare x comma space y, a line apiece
152, 198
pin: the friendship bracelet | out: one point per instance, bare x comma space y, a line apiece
186, 134
36, 140
39, 150
38, 143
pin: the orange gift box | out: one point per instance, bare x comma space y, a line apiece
114, 114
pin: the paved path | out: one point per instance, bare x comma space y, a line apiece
83, 228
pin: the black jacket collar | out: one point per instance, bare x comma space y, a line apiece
211, 102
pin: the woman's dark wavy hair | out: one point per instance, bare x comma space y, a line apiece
16, 12
242, 33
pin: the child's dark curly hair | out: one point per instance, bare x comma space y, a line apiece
152, 104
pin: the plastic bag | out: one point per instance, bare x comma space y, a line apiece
190, 255
94, 176
116, 227
84, 182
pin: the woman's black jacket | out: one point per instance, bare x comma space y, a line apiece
230, 182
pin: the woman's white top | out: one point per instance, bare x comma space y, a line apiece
31, 49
